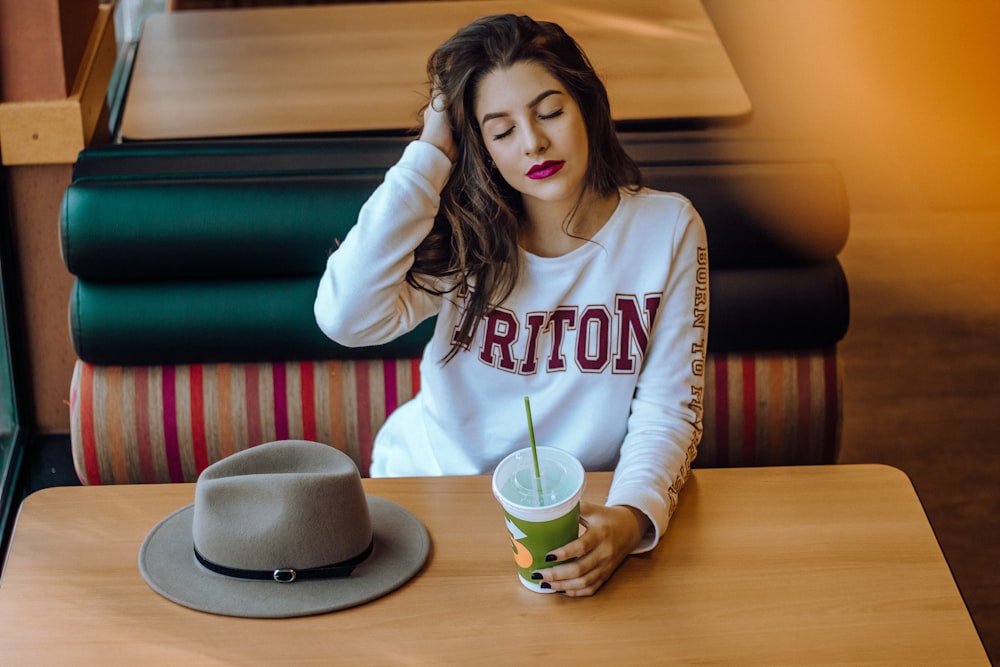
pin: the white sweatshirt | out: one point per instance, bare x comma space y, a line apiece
609, 383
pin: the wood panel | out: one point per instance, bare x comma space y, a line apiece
42, 43
45, 131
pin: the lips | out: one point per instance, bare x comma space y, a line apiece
545, 169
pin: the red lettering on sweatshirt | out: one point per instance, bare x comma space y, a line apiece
594, 339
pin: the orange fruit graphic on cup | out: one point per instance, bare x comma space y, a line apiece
522, 556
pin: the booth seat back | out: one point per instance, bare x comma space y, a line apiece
196, 265
167, 423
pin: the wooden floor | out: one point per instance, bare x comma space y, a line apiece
904, 95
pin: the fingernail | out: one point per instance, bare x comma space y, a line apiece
550, 558
536, 575
546, 585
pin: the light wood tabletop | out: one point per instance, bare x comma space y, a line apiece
361, 67
760, 566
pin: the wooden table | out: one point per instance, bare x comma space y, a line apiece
762, 566
361, 67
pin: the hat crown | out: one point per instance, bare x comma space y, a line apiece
288, 504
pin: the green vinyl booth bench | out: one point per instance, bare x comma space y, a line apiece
196, 265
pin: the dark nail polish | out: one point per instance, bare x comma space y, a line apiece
536, 575
546, 585
550, 558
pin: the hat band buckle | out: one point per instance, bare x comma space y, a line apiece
287, 575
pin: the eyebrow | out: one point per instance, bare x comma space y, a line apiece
533, 103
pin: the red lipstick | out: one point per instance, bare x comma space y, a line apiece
545, 169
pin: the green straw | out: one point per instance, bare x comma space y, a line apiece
534, 452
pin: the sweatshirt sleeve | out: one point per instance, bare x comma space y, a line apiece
665, 423
363, 297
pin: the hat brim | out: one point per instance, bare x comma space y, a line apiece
168, 564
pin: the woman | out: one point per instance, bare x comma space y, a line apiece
519, 221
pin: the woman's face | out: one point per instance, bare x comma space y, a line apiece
534, 132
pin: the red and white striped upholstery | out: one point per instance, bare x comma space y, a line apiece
167, 423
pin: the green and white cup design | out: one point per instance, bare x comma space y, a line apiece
539, 521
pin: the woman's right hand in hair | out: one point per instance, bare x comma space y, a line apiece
437, 126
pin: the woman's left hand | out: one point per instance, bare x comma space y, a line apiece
610, 535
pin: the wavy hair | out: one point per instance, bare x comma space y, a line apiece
473, 243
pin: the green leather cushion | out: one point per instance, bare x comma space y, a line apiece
211, 251
219, 321
189, 224
190, 229
199, 321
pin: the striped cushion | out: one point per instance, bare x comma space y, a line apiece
167, 423
772, 409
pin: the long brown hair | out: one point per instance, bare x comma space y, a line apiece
473, 243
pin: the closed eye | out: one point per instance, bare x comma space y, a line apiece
548, 116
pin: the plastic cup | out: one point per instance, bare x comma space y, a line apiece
538, 523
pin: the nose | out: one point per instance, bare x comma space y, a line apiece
535, 141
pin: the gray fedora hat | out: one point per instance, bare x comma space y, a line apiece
282, 529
